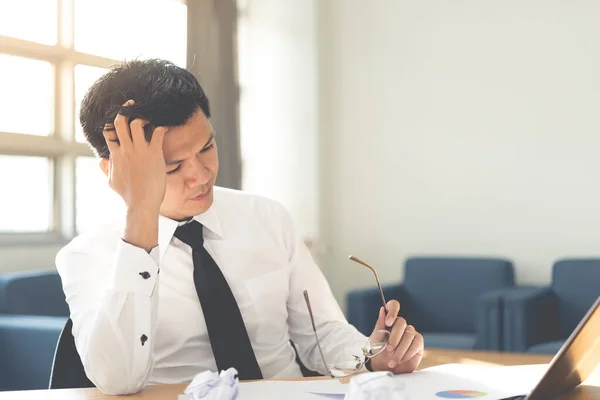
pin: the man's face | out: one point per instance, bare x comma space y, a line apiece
192, 164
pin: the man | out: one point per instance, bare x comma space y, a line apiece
194, 277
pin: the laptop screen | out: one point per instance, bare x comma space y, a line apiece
575, 360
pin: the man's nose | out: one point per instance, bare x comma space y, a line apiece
197, 174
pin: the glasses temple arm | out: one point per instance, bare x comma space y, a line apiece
312, 321
358, 260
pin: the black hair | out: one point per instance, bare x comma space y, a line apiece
164, 94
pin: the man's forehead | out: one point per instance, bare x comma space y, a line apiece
194, 129
184, 144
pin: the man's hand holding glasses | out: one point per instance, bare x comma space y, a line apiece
404, 350
393, 346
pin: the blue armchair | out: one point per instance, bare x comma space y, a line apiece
540, 319
32, 293
27, 345
33, 312
454, 302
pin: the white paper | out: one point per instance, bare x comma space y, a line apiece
484, 382
375, 386
210, 385
495, 382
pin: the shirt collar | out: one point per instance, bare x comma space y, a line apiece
209, 219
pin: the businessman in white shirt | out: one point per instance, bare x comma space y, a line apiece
194, 277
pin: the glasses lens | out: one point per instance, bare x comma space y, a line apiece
378, 341
344, 368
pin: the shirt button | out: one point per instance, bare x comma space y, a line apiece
145, 274
143, 339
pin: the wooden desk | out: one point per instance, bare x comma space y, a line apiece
590, 390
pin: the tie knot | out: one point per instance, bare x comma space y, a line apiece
191, 234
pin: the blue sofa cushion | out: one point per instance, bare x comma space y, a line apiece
546, 348
530, 317
576, 285
449, 341
27, 345
32, 293
443, 292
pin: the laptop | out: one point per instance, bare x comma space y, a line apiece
574, 362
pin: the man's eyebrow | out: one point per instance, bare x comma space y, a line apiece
210, 139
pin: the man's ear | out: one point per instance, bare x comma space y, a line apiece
104, 165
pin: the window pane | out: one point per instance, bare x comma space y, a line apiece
33, 20
95, 201
85, 76
139, 29
25, 194
27, 95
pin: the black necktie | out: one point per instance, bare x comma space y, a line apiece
226, 330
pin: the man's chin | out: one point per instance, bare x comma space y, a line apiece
199, 205
190, 208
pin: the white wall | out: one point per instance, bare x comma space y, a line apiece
458, 128
278, 106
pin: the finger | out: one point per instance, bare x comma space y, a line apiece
112, 141
393, 308
137, 131
110, 172
417, 345
410, 365
380, 324
158, 136
121, 124
405, 342
396, 335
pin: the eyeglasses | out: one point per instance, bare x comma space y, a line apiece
375, 345
372, 268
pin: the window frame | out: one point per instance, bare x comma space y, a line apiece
60, 147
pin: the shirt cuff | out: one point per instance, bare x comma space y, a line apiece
136, 271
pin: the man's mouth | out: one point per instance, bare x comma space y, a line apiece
202, 195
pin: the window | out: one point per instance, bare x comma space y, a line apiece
25, 198
145, 35
51, 183
31, 94
17, 20
95, 201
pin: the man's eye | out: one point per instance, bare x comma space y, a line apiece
207, 148
174, 170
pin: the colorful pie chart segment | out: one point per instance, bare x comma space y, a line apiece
460, 394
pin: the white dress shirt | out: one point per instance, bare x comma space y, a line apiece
137, 319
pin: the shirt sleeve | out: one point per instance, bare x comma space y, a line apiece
339, 340
114, 312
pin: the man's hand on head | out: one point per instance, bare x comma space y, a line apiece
405, 348
136, 170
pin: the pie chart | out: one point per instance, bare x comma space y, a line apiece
460, 394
